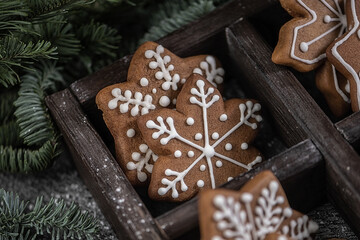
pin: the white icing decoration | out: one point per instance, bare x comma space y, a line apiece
215, 136
202, 167
144, 82
142, 161
190, 121
130, 133
200, 183
336, 83
337, 55
213, 74
229, 179
347, 87
177, 153
162, 63
190, 154
358, 33
204, 99
164, 101
235, 218
174, 101
154, 90
244, 146
223, 117
137, 100
228, 146
198, 136
304, 46
218, 163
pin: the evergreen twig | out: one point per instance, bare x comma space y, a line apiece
54, 219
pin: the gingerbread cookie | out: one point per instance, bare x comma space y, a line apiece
335, 88
256, 212
344, 52
202, 144
304, 39
155, 77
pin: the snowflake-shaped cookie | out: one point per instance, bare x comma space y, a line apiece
155, 77
259, 211
344, 52
303, 40
203, 143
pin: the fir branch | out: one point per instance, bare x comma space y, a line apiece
100, 42
172, 15
15, 53
22, 160
34, 121
45, 9
53, 218
11, 14
61, 35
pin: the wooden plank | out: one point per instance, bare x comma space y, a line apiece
106, 181
350, 127
192, 39
298, 115
300, 170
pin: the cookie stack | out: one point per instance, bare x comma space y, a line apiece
171, 127
324, 35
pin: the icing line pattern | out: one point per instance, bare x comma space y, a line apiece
235, 219
304, 46
247, 111
213, 74
337, 55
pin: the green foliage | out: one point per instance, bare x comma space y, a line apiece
172, 15
54, 219
32, 117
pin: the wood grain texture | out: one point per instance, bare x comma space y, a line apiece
298, 116
350, 127
106, 181
192, 39
300, 170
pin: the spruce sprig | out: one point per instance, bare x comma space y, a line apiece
54, 219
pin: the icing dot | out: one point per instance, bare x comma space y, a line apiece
228, 146
304, 47
327, 19
230, 178
358, 33
177, 153
282, 238
130, 133
144, 82
200, 183
190, 153
219, 163
149, 54
244, 146
202, 167
347, 86
198, 136
223, 117
154, 90
135, 156
164, 101
159, 75
174, 101
143, 148
247, 197
190, 121
215, 135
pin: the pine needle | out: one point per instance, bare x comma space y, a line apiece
54, 219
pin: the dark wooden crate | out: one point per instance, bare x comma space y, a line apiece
320, 159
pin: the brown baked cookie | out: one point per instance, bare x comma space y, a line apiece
335, 88
258, 209
278, 236
155, 77
202, 144
303, 40
344, 52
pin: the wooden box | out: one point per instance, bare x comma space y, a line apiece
320, 159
